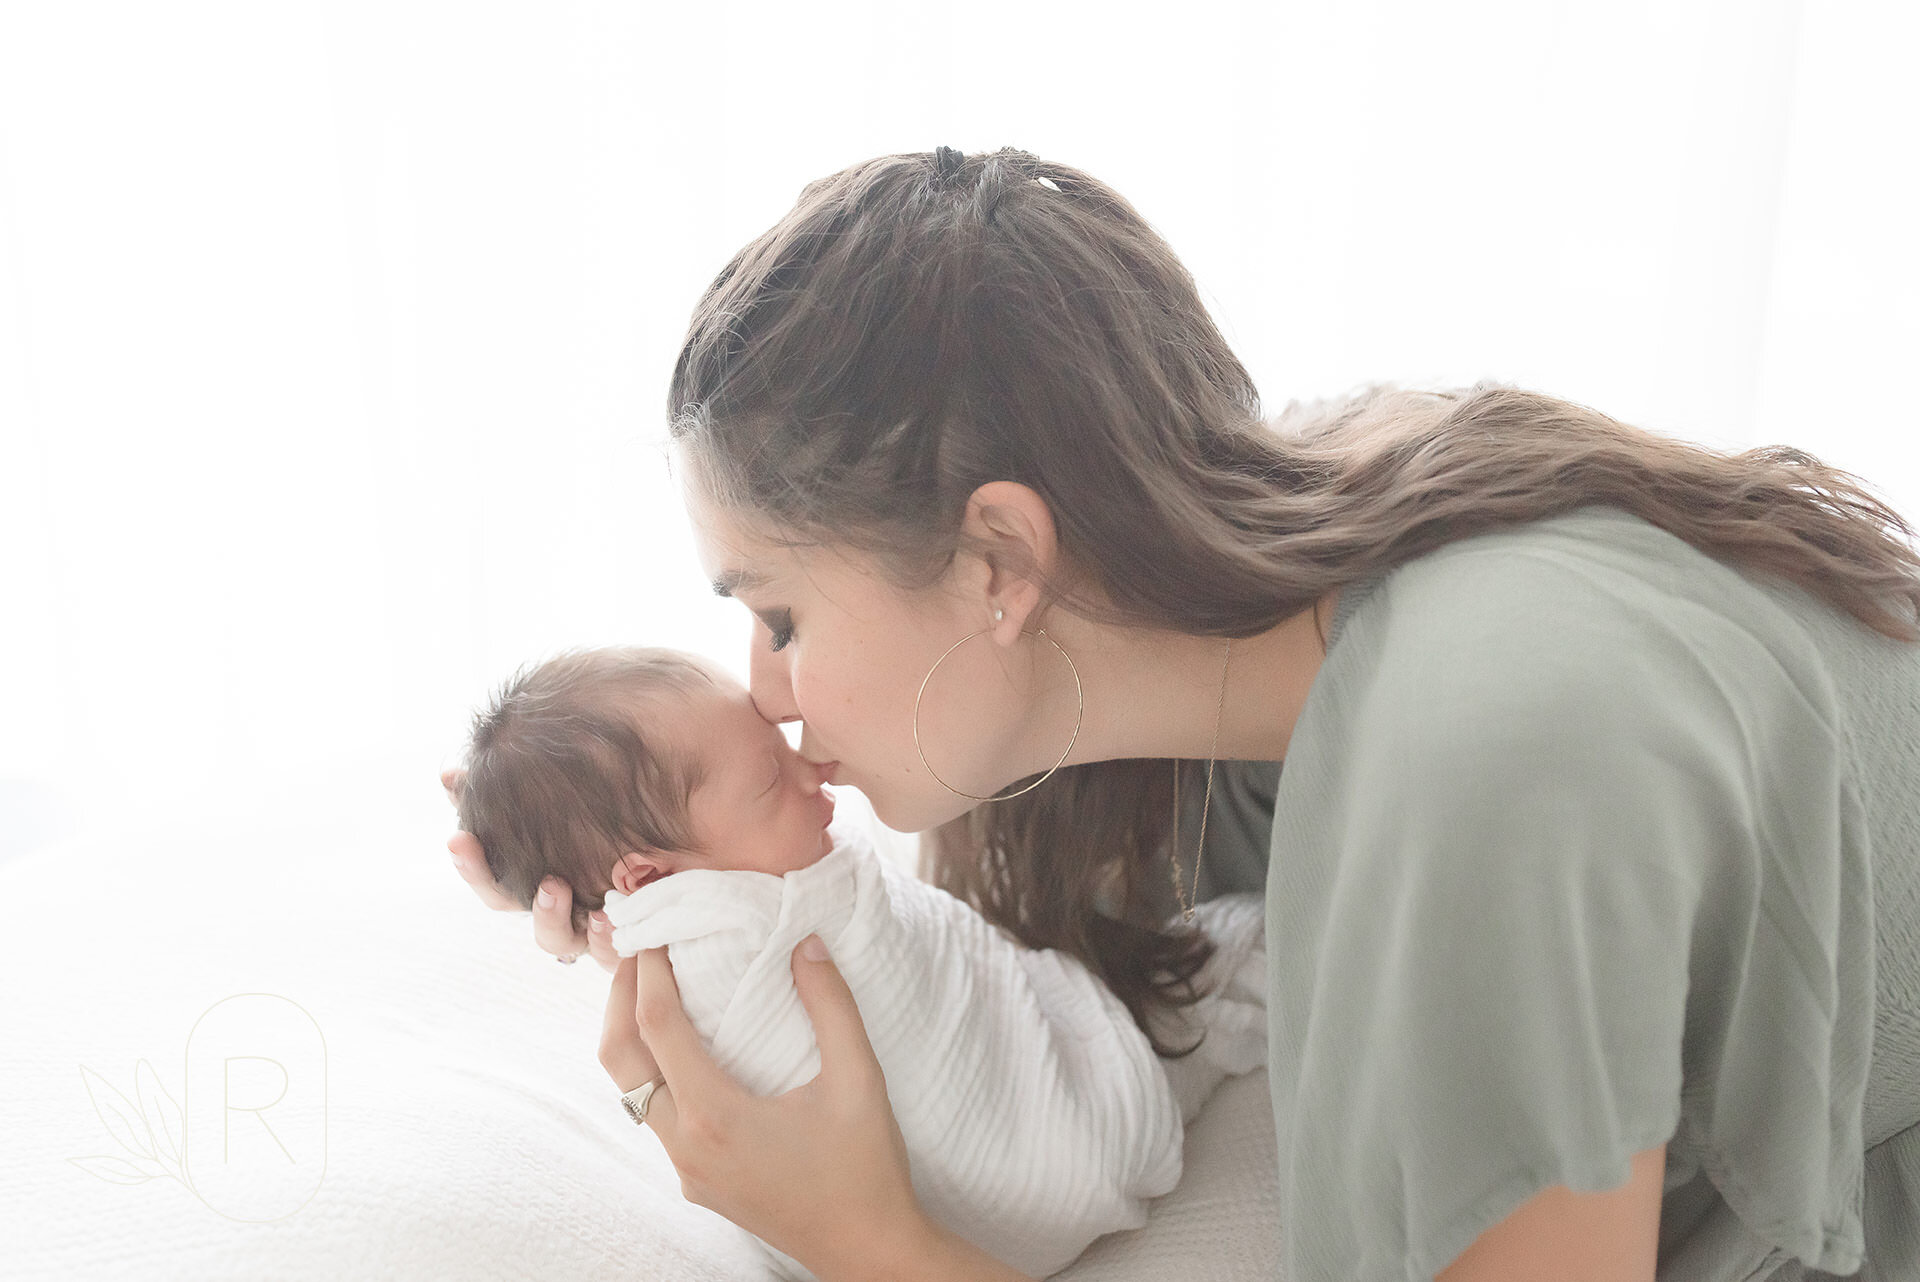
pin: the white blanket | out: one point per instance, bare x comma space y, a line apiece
1036, 1115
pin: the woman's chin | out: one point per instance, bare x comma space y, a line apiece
916, 815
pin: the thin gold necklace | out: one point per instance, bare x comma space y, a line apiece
1179, 890
1186, 908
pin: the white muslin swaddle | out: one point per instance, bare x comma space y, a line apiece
1036, 1116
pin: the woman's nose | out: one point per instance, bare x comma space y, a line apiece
767, 714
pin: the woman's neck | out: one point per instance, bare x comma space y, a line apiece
1157, 694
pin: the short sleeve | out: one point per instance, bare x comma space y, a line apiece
1577, 888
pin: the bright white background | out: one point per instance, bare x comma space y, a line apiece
334, 336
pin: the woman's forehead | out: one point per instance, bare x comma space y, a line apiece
731, 554
734, 565
736, 556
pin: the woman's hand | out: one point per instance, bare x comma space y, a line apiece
552, 909
820, 1172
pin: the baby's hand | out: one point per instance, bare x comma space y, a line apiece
553, 926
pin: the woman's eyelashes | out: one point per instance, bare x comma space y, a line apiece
780, 628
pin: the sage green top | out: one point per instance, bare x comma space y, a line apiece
1588, 842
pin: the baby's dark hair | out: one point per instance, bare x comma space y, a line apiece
568, 768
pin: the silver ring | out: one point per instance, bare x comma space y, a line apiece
640, 1098
567, 959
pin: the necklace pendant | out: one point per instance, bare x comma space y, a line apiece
1200, 850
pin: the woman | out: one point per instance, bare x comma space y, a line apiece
1604, 743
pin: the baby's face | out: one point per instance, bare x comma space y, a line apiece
761, 806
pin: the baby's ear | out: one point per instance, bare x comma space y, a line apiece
636, 868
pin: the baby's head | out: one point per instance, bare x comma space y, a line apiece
613, 766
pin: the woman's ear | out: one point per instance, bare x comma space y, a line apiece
636, 868
1016, 526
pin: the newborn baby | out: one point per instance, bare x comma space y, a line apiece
1036, 1115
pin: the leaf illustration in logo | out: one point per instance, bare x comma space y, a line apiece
163, 1115
118, 1170
118, 1114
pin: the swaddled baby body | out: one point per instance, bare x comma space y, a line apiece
1036, 1115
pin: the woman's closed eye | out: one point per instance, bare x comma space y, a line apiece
780, 627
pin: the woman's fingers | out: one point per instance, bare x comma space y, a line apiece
623, 1052
840, 1130
600, 940
820, 1172
699, 1083
552, 907
847, 1061
471, 863
553, 920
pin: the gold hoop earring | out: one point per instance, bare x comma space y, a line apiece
1078, 716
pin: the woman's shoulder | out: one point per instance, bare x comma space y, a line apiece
1592, 557
1584, 612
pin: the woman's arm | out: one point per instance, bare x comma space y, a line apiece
950, 1258
1609, 1236
821, 1172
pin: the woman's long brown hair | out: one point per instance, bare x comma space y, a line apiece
921, 324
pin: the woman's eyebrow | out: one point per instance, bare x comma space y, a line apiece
727, 582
